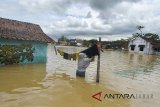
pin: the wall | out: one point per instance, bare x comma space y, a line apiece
52, 59
39, 53
139, 41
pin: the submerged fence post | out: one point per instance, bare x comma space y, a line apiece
98, 63
55, 49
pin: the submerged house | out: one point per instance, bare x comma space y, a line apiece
144, 45
22, 42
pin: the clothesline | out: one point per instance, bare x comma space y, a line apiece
68, 56
90, 52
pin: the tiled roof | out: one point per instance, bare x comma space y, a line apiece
17, 30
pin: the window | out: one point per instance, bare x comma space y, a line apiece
141, 47
132, 47
157, 49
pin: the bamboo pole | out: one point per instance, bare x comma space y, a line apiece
98, 63
55, 49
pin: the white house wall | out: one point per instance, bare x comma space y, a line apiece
140, 41
150, 49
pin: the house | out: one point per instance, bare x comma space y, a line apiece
22, 42
79, 42
144, 45
76, 42
73, 42
63, 43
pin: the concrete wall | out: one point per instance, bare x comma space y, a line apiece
139, 41
39, 53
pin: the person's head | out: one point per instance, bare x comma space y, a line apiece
98, 45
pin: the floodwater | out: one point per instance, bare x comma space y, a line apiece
55, 84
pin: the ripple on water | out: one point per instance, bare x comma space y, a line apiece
55, 83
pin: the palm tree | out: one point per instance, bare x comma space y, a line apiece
139, 28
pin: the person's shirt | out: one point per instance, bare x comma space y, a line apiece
83, 62
92, 51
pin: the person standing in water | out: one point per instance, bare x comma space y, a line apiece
85, 57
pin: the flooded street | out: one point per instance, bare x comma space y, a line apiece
55, 84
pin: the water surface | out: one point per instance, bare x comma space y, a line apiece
54, 84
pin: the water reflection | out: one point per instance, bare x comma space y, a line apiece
17, 76
138, 64
52, 90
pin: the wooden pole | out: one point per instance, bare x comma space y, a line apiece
55, 49
98, 63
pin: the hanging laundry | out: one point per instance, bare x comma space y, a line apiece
66, 56
60, 52
69, 56
77, 56
74, 56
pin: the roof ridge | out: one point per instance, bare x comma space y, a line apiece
13, 29
18, 21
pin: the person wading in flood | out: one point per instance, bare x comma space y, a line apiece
85, 57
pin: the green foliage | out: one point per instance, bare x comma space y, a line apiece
63, 38
89, 42
118, 44
11, 54
136, 35
85, 43
93, 41
151, 36
139, 27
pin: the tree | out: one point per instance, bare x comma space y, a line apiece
136, 35
62, 38
89, 42
93, 41
151, 36
139, 28
85, 43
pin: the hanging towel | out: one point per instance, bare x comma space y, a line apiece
74, 56
92, 51
58, 51
77, 56
69, 56
66, 56
61, 53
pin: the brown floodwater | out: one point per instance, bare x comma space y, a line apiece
55, 84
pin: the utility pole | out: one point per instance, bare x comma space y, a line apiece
98, 62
